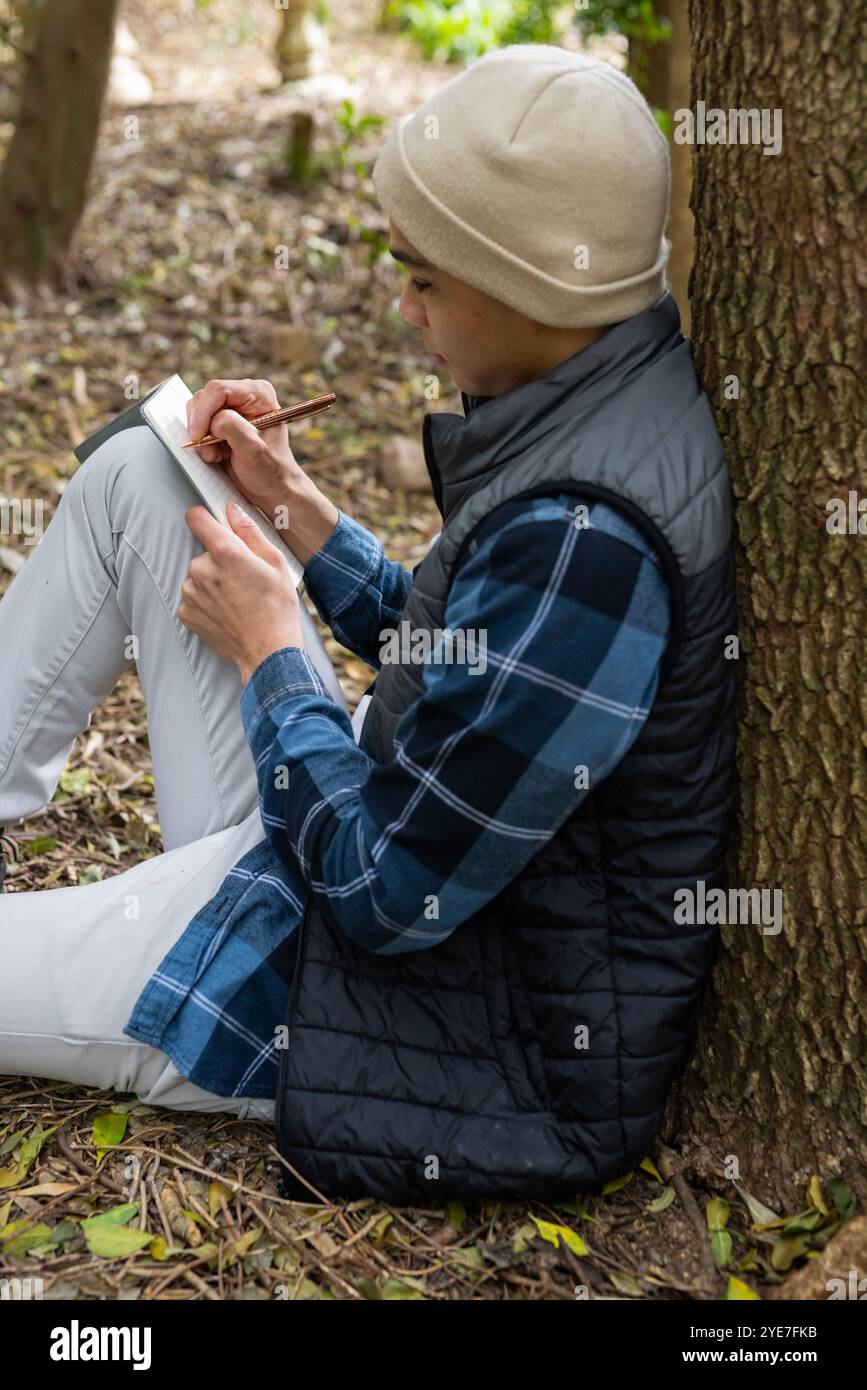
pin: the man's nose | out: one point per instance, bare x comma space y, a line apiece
410, 308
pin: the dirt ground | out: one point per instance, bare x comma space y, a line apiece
176, 272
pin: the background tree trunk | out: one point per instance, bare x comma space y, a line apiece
680, 226
661, 70
302, 43
44, 179
648, 62
778, 1078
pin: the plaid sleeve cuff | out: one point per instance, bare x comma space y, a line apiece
284, 673
343, 566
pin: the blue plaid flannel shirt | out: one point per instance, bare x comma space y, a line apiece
575, 622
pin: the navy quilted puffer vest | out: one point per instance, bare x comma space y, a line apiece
530, 1054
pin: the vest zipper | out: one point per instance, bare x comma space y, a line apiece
431, 463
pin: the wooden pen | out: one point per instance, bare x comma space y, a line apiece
274, 417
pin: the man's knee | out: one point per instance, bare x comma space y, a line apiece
132, 474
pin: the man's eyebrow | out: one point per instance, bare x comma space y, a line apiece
407, 259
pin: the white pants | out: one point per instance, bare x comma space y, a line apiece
110, 566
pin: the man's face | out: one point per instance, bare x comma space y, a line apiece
483, 344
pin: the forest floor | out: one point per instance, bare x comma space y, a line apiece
176, 273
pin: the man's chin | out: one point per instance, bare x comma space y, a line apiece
460, 382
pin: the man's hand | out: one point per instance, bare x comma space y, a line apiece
239, 596
261, 465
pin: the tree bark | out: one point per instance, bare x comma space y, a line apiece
680, 228
661, 71
778, 1077
43, 185
649, 62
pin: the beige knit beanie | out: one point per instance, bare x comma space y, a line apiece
540, 177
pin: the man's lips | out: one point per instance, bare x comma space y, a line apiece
437, 356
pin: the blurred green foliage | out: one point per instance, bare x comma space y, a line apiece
455, 30
352, 127
344, 154
635, 19
460, 30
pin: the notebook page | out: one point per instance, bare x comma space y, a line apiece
167, 413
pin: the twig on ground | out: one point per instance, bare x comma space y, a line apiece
668, 1166
63, 1143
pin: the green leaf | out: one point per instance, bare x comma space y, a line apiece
471, 1255
75, 781
243, 1244
804, 1221
843, 1199
738, 1291
108, 1237
307, 1289
815, 1196
16, 1172
41, 845
786, 1250
522, 1238
108, 1128
617, 1183
20, 1237
554, 1234
721, 1248
717, 1214
380, 1230
400, 1289
624, 1283
116, 1216
106, 1234
367, 1288
456, 1215
650, 1167
665, 1199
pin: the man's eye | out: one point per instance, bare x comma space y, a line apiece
420, 285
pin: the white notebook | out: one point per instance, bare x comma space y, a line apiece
165, 412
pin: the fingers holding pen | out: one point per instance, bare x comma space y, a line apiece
246, 398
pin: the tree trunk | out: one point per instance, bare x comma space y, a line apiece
648, 62
661, 71
302, 43
778, 1078
44, 179
680, 228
